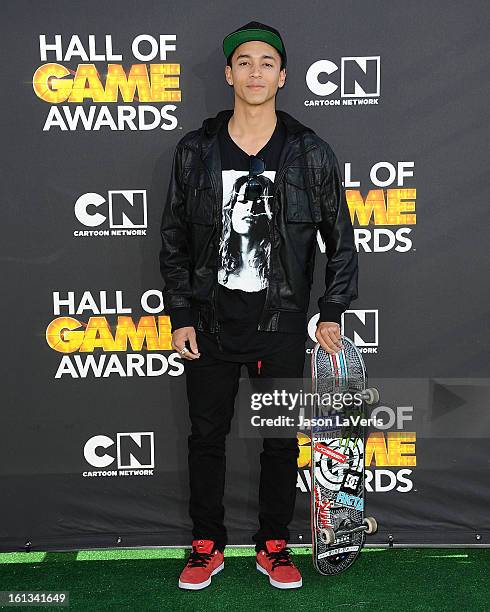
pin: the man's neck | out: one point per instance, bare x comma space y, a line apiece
252, 121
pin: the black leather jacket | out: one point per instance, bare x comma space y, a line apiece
309, 196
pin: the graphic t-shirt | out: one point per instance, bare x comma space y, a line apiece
244, 250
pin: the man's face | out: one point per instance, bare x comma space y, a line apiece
256, 72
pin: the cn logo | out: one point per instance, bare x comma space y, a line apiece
357, 77
131, 450
361, 326
122, 209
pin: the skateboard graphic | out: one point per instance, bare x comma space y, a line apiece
337, 457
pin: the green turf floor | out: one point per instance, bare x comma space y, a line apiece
146, 579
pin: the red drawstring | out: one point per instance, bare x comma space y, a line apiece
259, 365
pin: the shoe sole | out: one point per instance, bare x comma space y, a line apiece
279, 585
195, 586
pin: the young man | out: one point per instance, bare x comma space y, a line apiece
248, 192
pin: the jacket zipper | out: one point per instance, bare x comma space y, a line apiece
277, 183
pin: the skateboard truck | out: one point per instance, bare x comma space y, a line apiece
370, 396
329, 536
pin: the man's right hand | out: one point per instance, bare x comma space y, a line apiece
179, 337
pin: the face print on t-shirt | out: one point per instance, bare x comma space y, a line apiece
245, 240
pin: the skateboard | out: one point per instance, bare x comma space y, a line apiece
337, 457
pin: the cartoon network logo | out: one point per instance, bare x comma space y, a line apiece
360, 325
353, 81
122, 212
129, 454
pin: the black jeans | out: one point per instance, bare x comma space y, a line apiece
212, 385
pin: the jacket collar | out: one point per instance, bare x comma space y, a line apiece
211, 125
210, 153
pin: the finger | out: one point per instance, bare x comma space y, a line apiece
326, 343
334, 336
193, 342
330, 348
177, 347
330, 342
333, 348
187, 355
190, 355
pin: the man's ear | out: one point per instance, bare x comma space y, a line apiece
228, 77
284, 82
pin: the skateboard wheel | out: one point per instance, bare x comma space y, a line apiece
371, 396
371, 523
327, 535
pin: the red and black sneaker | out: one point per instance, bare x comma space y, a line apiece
204, 561
275, 562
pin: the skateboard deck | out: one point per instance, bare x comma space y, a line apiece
337, 457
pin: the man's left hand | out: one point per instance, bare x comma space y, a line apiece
328, 335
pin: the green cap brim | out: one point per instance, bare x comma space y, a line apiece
235, 39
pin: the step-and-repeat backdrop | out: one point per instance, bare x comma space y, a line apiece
94, 411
